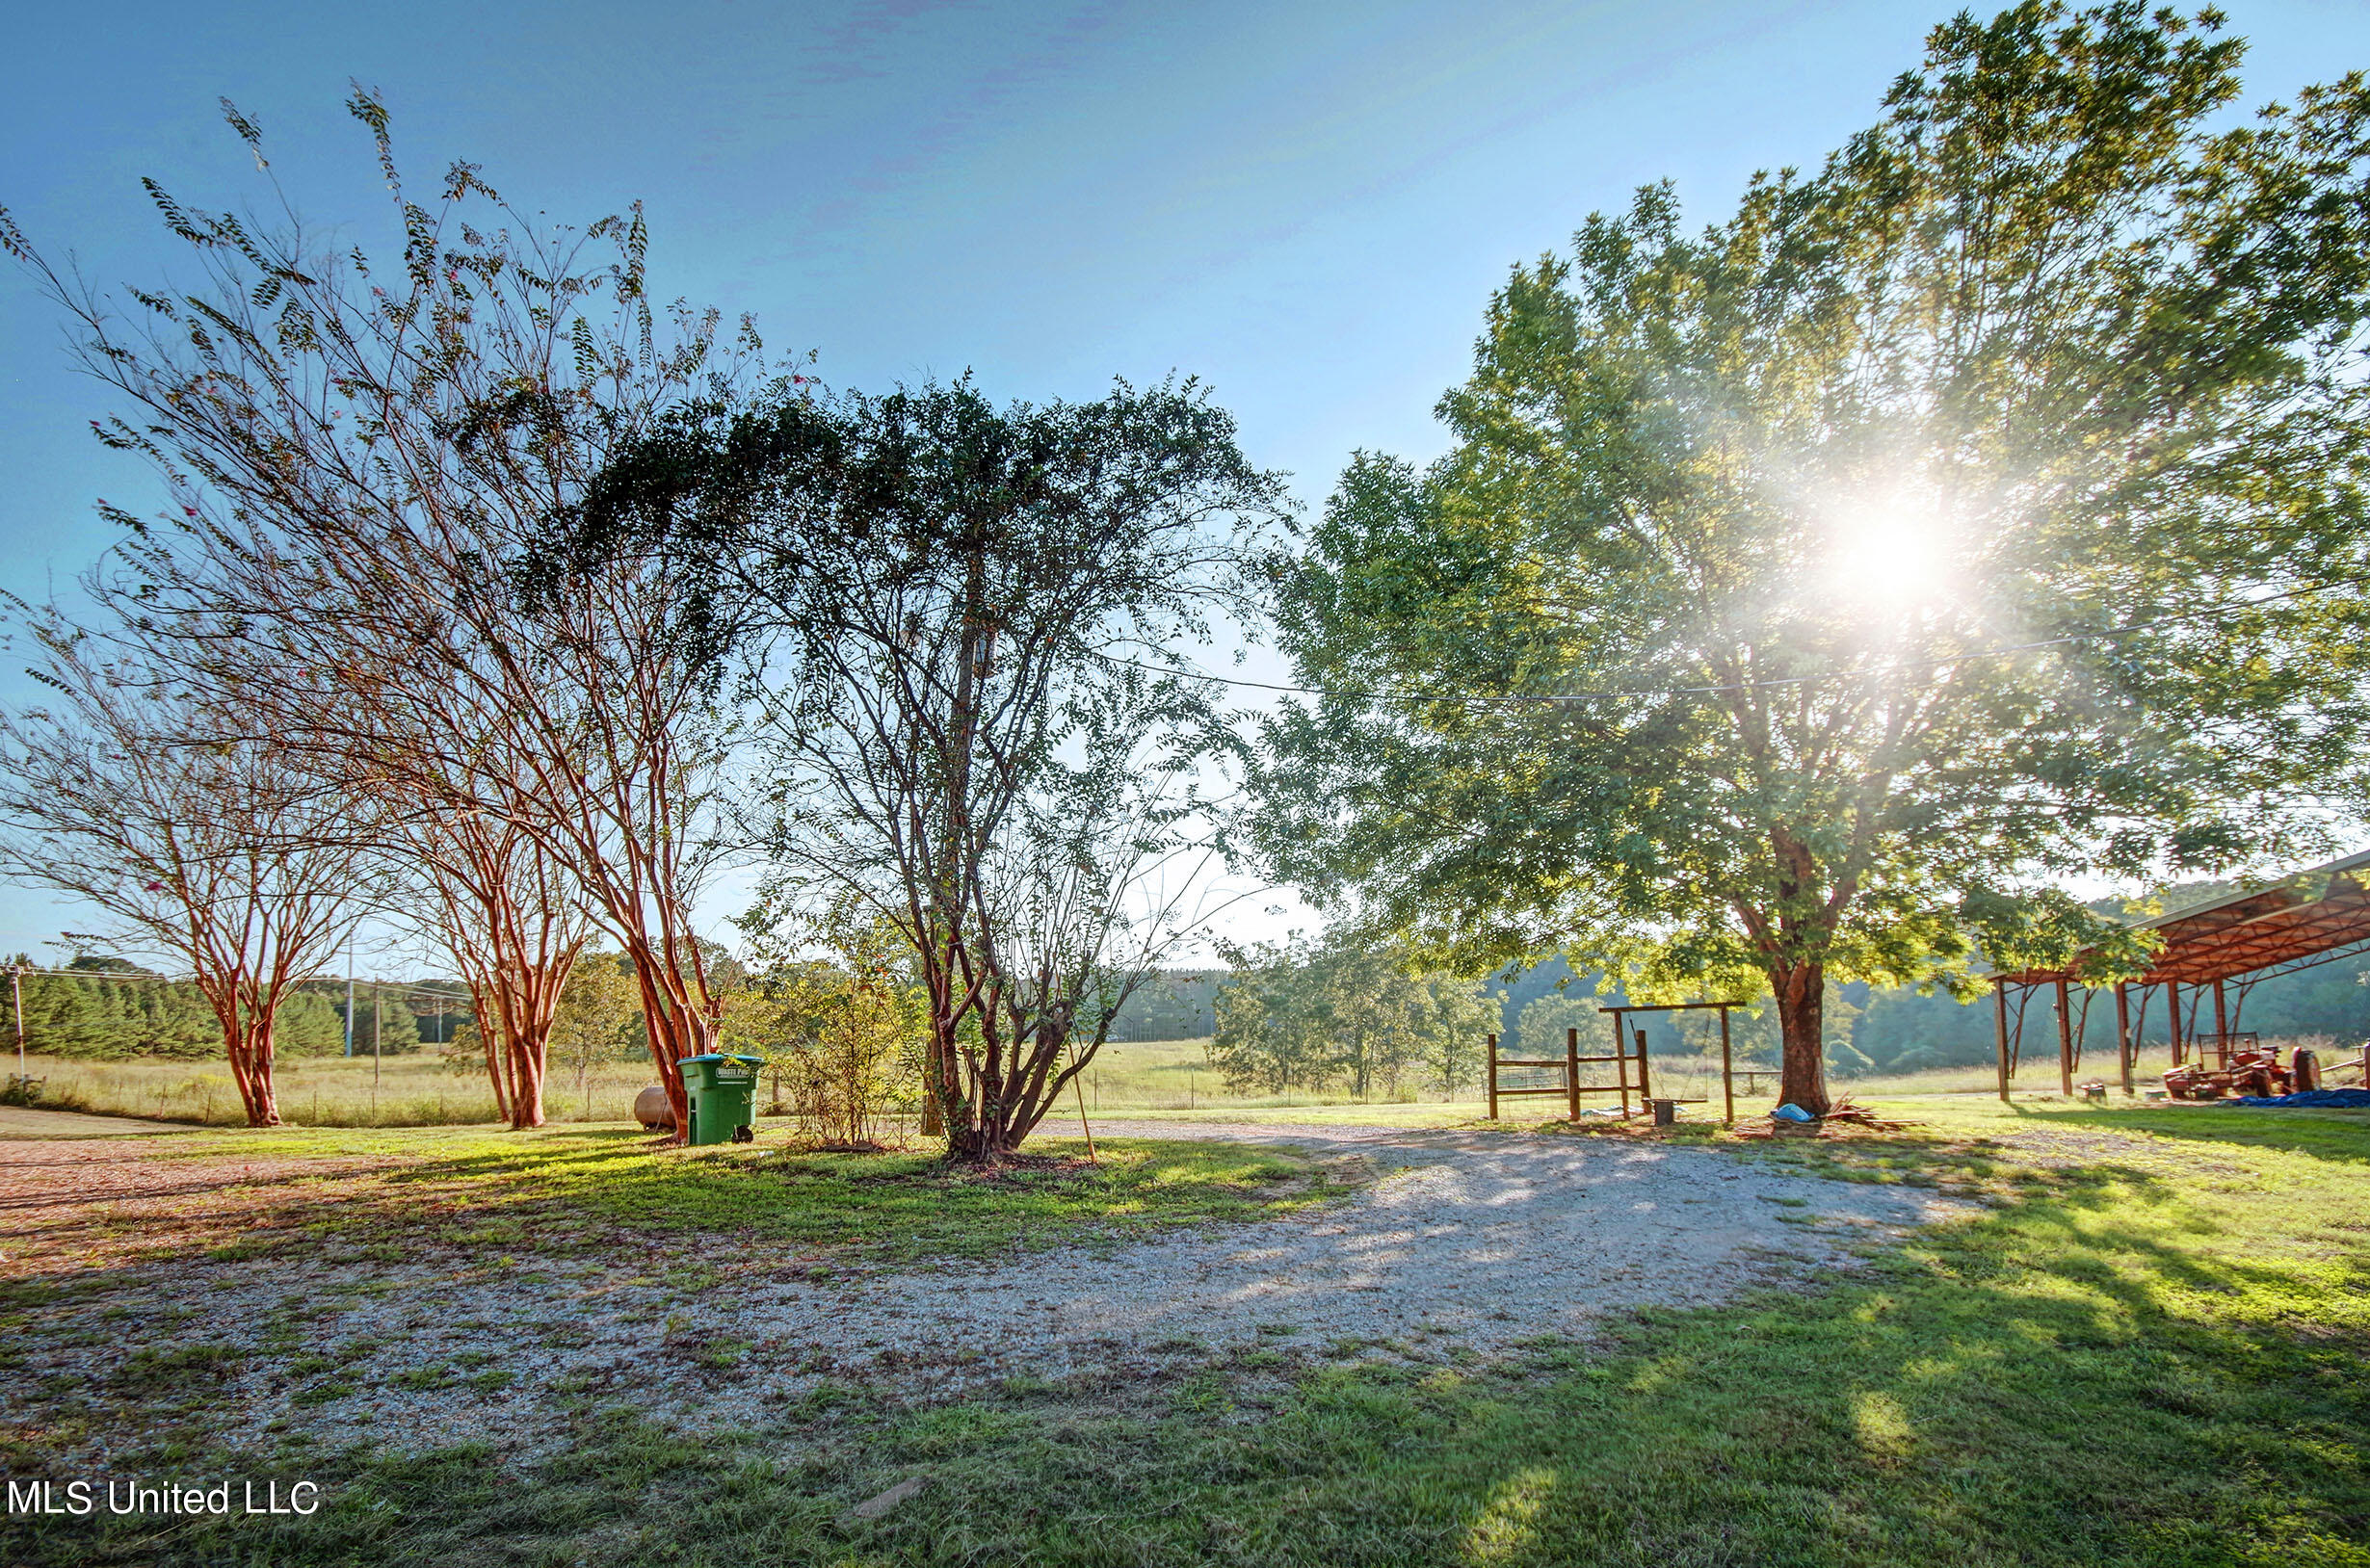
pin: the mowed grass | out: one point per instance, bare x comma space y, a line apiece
2147, 1348
417, 1090
1172, 1079
391, 1191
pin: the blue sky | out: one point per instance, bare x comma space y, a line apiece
1306, 206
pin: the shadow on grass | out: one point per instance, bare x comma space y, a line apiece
2114, 1365
2325, 1134
588, 1190
2035, 1387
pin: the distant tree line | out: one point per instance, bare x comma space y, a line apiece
1310, 1017
110, 1013
1178, 1005
98, 1009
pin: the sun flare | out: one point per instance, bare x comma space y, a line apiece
1893, 553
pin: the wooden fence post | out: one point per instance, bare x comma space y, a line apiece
1493, 1078
1620, 1060
2064, 1043
1727, 1076
1999, 995
2124, 1051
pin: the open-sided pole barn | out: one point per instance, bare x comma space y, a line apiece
2213, 954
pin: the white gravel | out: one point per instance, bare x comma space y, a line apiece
1468, 1245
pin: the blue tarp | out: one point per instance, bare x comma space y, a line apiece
2319, 1099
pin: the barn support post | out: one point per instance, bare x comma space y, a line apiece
2124, 1051
2064, 1043
2173, 1008
1621, 1057
1493, 1078
2221, 1021
1999, 996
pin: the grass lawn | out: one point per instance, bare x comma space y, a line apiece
2148, 1349
562, 1188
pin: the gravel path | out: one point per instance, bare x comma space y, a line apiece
1467, 1243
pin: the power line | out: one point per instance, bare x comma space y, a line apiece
1776, 681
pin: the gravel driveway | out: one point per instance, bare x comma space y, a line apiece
1467, 1243
1489, 1238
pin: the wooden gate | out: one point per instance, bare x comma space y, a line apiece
1628, 1049
1568, 1065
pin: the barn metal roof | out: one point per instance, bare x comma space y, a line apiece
2301, 916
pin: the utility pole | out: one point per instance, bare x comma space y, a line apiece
378, 993
348, 993
16, 999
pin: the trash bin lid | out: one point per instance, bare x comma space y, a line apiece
722, 1056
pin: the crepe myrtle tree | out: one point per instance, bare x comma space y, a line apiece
956, 624
509, 916
356, 449
184, 838
1800, 592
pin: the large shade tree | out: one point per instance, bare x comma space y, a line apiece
1799, 595
956, 625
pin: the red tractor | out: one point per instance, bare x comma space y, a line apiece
2235, 1065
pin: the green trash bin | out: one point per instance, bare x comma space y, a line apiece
722, 1089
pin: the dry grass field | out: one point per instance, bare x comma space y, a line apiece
1162, 1077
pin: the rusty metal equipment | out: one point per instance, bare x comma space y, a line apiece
2228, 1064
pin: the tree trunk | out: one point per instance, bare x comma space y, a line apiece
942, 1101
1800, 990
527, 1059
990, 1138
675, 1034
534, 997
249, 1047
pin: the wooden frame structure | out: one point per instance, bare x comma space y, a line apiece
1571, 1089
1625, 1051
1727, 1065
2225, 945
